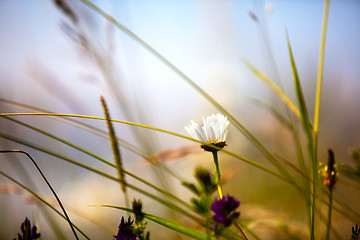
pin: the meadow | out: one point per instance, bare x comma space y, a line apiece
192, 120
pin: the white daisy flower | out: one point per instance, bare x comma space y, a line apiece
214, 131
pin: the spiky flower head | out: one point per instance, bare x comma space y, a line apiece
28, 232
125, 230
205, 180
224, 210
213, 131
355, 231
137, 207
330, 173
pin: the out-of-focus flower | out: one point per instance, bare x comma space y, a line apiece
224, 210
269, 7
28, 232
136, 207
140, 225
125, 230
213, 131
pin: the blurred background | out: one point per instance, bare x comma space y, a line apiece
63, 62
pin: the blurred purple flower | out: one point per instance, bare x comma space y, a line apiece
224, 210
27, 232
125, 230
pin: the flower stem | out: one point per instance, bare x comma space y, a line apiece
220, 191
239, 229
329, 215
217, 174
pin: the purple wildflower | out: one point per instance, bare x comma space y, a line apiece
125, 230
224, 210
28, 232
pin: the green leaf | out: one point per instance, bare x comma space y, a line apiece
304, 116
166, 223
191, 187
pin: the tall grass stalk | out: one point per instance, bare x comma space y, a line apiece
312, 156
96, 131
116, 151
248, 161
328, 225
217, 173
94, 170
318, 99
169, 224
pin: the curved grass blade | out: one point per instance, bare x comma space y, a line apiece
135, 188
47, 183
164, 222
25, 176
320, 67
103, 160
273, 111
293, 129
304, 116
253, 163
115, 179
31, 145
60, 140
100, 133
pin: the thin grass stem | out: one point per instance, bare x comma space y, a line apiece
100, 133
253, 163
328, 225
321, 66
137, 189
274, 87
304, 116
61, 140
169, 224
239, 229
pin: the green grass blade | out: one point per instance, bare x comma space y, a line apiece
31, 145
165, 193
274, 112
164, 222
98, 132
126, 172
278, 91
60, 140
297, 141
304, 116
135, 188
321, 67
253, 163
